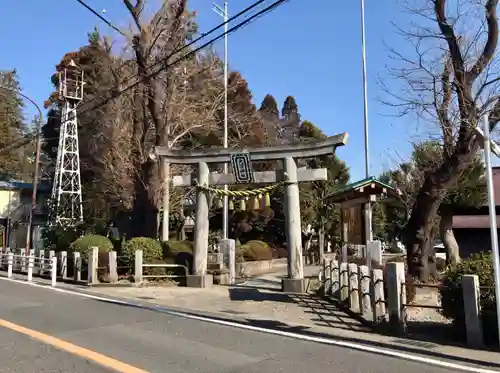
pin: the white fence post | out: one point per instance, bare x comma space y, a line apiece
353, 287
10, 263
77, 266
334, 277
138, 267
31, 264
378, 300
344, 281
364, 290
472, 310
327, 273
23, 260
53, 271
113, 267
396, 297
63, 264
93, 262
41, 261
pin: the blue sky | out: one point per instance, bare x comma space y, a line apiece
310, 52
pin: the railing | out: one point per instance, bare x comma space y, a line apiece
139, 266
365, 290
27, 264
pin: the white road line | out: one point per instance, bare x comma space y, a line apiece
352, 345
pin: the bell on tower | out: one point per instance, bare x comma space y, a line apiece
71, 82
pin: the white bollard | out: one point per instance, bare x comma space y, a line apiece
53, 271
10, 262
138, 267
31, 264
77, 266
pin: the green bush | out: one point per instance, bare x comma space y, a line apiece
256, 250
83, 245
58, 238
151, 250
172, 248
179, 252
480, 264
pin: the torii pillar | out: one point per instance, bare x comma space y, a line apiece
290, 175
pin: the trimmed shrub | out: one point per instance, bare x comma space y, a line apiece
480, 264
256, 250
151, 250
83, 245
171, 248
179, 252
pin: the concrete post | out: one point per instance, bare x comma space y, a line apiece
353, 287
138, 267
344, 253
41, 261
113, 267
63, 264
31, 264
364, 290
327, 281
228, 250
77, 266
472, 311
334, 277
378, 299
10, 263
199, 278
396, 297
295, 281
374, 251
23, 260
93, 263
52, 253
53, 271
344, 281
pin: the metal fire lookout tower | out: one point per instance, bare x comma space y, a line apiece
67, 187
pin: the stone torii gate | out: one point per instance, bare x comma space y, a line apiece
241, 159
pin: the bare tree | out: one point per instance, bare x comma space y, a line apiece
450, 80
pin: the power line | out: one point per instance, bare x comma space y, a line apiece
96, 13
165, 66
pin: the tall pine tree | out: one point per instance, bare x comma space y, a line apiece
11, 126
290, 120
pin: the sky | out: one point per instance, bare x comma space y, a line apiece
310, 52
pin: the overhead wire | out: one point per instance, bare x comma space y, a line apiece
164, 65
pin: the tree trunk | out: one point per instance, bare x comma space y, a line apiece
419, 232
144, 211
448, 238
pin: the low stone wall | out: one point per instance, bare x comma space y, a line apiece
249, 269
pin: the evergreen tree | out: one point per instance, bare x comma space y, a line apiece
270, 117
290, 120
12, 125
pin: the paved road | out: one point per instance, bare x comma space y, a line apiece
155, 342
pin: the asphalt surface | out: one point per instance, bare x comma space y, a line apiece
160, 343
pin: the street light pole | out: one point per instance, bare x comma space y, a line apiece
225, 210
37, 168
368, 205
492, 215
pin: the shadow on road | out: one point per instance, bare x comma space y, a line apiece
303, 330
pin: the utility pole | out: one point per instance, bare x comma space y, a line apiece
368, 205
492, 209
225, 210
37, 165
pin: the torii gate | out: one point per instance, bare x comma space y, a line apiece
240, 159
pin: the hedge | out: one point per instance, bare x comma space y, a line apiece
256, 250
151, 251
179, 252
85, 243
480, 264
